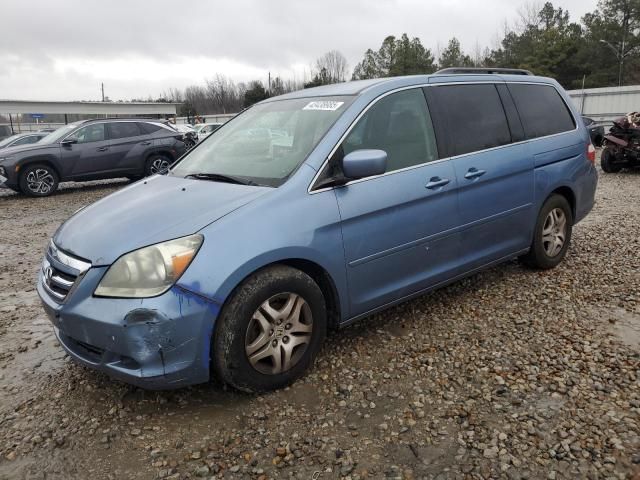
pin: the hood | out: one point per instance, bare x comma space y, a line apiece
11, 151
150, 211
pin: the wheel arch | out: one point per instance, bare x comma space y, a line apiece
317, 272
39, 160
568, 193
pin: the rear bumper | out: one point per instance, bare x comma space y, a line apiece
586, 193
154, 343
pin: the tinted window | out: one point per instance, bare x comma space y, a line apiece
474, 117
27, 140
541, 109
123, 130
90, 133
400, 125
149, 127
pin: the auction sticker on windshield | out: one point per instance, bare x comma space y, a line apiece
323, 105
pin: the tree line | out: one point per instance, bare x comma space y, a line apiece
602, 49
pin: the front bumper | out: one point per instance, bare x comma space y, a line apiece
155, 343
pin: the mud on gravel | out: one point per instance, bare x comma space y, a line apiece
511, 373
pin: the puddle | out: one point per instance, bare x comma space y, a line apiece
625, 326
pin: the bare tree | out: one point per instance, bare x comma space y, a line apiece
334, 64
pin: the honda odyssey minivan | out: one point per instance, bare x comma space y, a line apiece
312, 210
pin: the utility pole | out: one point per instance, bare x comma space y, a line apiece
620, 55
102, 87
269, 86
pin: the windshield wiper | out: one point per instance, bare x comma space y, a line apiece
218, 177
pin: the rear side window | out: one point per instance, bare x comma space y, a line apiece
474, 117
148, 128
123, 130
542, 110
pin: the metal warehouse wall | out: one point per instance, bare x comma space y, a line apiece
603, 104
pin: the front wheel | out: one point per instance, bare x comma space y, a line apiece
38, 180
607, 157
270, 330
552, 234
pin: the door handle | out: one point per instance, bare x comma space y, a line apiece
436, 182
473, 172
102, 149
145, 143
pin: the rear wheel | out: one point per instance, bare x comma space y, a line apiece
38, 180
607, 158
157, 164
270, 330
552, 234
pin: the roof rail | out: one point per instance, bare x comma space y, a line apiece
482, 70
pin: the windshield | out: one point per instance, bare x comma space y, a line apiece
53, 137
266, 143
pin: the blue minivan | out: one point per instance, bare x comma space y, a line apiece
312, 210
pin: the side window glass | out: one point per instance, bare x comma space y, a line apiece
90, 133
400, 125
123, 130
542, 110
25, 140
474, 117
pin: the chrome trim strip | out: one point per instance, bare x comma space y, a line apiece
377, 99
68, 260
52, 292
61, 282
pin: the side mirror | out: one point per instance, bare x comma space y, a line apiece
68, 141
364, 163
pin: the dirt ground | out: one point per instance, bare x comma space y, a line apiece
511, 373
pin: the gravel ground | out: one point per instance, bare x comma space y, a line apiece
511, 373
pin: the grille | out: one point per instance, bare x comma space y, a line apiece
56, 282
60, 272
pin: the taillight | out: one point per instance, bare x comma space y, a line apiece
591, 153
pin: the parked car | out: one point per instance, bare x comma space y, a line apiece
203, 130
596, 131
22, 139
90, 150
237, 262
189, 135
5, 131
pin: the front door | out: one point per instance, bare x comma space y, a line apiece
89, 155
396, 227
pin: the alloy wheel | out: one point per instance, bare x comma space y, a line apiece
40, 181
279, 333
554, 232
160, 166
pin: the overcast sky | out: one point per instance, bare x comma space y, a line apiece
63, 49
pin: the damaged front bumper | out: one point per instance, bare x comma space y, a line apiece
155, 343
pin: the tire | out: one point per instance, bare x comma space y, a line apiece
157, 164
545, 251
606, 161
249, 345
39, 180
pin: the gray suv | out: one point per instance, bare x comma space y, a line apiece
90, 150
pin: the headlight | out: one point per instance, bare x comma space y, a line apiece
149, 271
